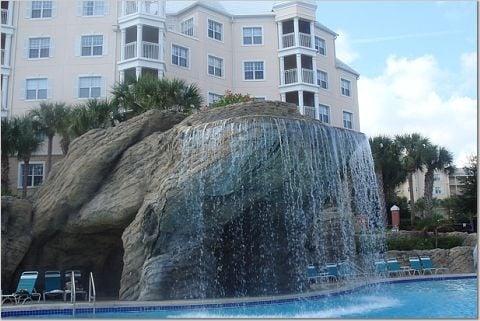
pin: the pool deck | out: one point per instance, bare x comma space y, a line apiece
333, 289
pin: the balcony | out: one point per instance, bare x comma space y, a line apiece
305, 40
288, 40
309, 111
4, 16
130, 50
150, 50
291, 76
153, 8
308, 76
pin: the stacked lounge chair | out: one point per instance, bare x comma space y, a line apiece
415, 265
394, 268
381, 267
25, 289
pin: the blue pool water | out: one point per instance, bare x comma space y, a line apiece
454, 298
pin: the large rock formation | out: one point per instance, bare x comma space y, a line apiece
16, 235
232, 201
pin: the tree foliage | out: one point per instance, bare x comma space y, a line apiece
232, 98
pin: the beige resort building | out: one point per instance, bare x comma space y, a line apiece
72, 51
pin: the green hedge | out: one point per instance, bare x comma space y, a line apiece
423, 243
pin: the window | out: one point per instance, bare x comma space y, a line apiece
215, 30
39, 47
345, 87
438, 190
322, 79
320, 46
36, 89
187, 27
215, 66
252, 36
35, 174
41, 9
324, 113
92, 46
213, 98
253, 70
179, 56
347, 120
436, 177
93, 8
89, 87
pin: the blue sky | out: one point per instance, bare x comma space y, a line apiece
417, 61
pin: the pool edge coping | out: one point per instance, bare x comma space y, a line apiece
87, 308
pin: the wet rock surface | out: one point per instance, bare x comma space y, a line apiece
229, 202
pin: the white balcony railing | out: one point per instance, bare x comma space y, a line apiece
4, 16
150, 50
291, 76
152, 7
288, 40
305, 40
307, 76
309, 111
130, 50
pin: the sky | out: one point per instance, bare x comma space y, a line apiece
417, 61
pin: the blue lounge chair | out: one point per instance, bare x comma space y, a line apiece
394, 267
428, 266
415, 265
331, 271
53, 284
78, 288
381, 268
25, 289
314, 275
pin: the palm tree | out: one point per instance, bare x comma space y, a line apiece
27, 140
9, 149
50, 119
93, 114
413, 148
134, 97
388, 166
436, 159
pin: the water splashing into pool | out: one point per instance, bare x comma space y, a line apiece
283, 194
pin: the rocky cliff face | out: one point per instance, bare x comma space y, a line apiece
16, 235
229, 202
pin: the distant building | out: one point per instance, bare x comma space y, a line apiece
441, 187
455, 181
72, 51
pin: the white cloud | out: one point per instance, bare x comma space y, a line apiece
409, 97
343, 50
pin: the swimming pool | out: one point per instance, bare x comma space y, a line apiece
447, 298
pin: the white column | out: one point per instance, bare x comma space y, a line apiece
299, 67
314, 66
122, 75
10, 13
138, 72
160, 73
317, 108
296, 30
160, 45
139, 40
8, 49
283, 97
280, 34
282, 70
312, 34
4, 91
123, 42
300, 102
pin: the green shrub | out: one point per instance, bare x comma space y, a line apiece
423, 243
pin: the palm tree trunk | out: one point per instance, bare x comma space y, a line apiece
26, 165
64, 143
412, 198
5, 171
49, 155
428, 192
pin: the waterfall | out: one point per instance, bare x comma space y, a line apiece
271, 195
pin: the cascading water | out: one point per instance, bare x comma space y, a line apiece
272, 196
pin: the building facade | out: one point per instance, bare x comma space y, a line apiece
72, 51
